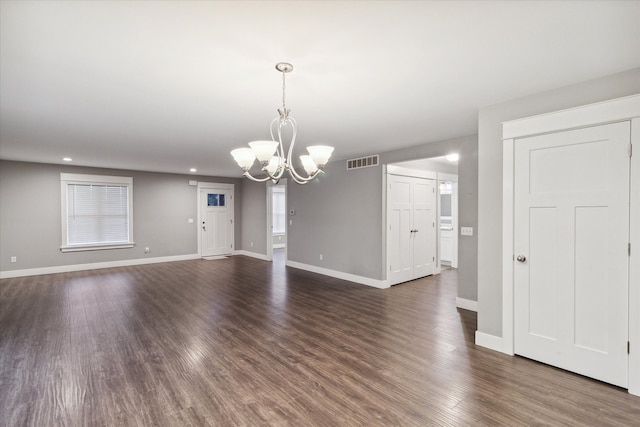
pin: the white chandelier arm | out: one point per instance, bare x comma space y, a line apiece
292, 170
252, 178
279, 171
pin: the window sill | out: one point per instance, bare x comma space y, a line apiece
95, 247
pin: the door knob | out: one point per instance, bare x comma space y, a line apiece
521, 258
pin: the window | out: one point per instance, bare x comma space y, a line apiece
215, 200
279, 211
97, 212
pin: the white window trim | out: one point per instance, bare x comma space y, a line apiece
72, 178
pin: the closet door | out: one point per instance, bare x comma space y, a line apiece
411, 234
424, 223
399, 235
571, 234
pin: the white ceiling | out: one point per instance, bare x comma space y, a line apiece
165, 86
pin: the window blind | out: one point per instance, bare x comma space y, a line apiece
279, 213
97, 214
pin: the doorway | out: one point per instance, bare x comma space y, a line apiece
277, 219
444, 175
448, 214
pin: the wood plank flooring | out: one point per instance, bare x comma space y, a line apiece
243, 342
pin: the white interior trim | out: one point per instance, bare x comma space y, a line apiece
381, 284
269, 221
467, 304
507, 246
634, 263
455, 222
491, 342
384, 265
399, 170
94, 266
627, 108
251, 254
599, 113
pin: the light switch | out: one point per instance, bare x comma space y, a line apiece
466, 231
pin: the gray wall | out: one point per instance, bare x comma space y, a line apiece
338, 215
30, 218
254, 217
490, 176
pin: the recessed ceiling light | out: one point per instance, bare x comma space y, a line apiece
67, 159
193, 170
453, 157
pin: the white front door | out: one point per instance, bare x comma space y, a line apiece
571, 234
216, 221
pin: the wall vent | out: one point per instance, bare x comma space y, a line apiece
363, 162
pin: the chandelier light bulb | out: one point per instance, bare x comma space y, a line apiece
308, 164
274, 164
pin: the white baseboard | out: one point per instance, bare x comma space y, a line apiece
467, 304
251, 254
381, 284
491, 342
93, 266
279, 245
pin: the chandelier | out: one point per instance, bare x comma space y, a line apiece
271, 154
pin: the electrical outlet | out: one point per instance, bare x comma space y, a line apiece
14, 259
190, 220
147, 250
466, 231
320, 257
251, 244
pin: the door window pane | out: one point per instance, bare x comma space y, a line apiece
215, 200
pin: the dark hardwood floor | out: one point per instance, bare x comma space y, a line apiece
240, 341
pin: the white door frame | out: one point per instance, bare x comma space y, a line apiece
402, 171
270, 219
454, 214
617, 110
222, 186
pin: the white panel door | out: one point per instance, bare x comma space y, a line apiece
400, 250
216, 221
424, 231
411, 234
571, 231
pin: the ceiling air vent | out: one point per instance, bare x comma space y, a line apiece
363, 162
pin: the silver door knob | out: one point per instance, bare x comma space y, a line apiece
521, 258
